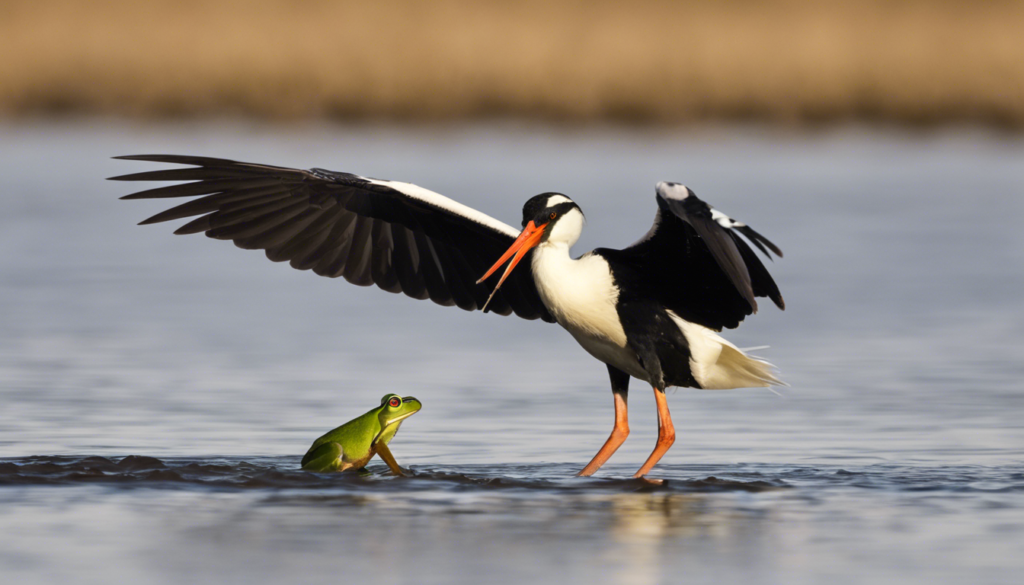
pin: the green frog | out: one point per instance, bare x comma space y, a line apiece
353, 444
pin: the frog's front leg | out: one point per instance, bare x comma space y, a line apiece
326, 457
385, 454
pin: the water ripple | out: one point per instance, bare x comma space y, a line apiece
283, 473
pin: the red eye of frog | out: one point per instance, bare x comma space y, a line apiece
394, 402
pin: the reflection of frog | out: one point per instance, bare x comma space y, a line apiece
353, 444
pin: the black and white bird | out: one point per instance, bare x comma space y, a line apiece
650, 311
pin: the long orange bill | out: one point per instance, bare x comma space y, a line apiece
529, 238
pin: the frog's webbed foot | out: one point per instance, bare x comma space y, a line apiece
385, 454
326, 457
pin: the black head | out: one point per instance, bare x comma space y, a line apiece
547, 208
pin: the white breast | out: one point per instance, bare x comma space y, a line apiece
581, 295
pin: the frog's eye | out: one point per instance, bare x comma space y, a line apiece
394, 402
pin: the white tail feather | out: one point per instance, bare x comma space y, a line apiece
718, 364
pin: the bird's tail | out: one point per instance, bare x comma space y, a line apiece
718, 364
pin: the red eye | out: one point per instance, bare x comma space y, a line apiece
394, 402
553, 215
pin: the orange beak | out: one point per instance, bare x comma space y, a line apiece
529, 238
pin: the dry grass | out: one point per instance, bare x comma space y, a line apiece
911, 61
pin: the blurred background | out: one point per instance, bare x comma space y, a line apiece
878, 143
647, 61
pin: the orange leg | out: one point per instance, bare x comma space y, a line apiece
615, 440
666, 433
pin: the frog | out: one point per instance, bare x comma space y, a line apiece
351, 446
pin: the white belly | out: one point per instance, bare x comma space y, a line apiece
621, 357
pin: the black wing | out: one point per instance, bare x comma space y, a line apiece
694, 263
401, 237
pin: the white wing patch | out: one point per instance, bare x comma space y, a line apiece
675, 191
724, 220
450, 205
679, 192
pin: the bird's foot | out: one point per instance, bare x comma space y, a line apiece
650, 480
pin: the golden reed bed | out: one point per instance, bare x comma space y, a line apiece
908, 61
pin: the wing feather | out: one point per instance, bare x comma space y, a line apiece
397, 236
695, 264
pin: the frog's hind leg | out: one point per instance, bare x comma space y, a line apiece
326, 457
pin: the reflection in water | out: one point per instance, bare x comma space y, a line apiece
640, 523
648, 527
653, 517
615, 538
262, 520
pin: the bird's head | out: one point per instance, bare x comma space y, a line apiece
547, 218
557, 217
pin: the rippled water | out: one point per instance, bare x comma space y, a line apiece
897, 452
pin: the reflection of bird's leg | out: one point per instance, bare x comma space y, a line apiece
666, 433
620, 386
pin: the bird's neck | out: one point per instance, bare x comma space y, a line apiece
553, 266
554, 271
557, 249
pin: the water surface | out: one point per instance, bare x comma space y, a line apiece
896, 453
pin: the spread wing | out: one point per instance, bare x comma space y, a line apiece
398, 236
694, 262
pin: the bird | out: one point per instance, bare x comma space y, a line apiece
651, 311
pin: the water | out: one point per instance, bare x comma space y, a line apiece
896, 454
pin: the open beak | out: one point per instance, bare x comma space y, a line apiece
529, 238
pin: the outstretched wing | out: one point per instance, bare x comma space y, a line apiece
401, 237
695, 264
